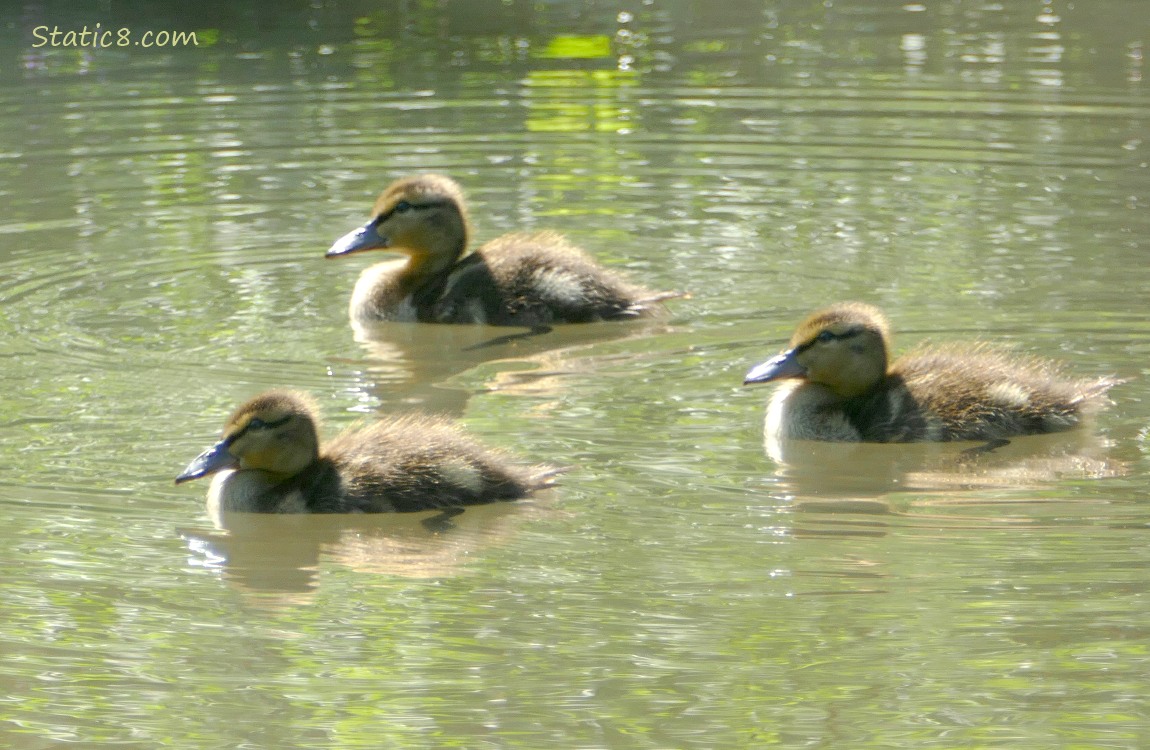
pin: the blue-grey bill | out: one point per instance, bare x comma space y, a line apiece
364, 238
785, 365
210, 461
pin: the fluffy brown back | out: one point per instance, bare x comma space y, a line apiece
974, 392
414, 463
538, 278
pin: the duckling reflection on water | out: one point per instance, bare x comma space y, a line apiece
520, 279
839, 387
269, 461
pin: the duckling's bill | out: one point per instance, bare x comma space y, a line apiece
210, 461
366, 237
785, 365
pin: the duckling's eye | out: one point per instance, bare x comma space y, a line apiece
825, 336
402, 207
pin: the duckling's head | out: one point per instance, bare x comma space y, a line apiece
842, 347
274, 432
424, 216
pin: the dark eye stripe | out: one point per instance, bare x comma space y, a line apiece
405, 206
255, 423
825, 336
260, 424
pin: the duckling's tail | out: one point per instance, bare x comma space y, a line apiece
1094, 394
651, 303
544, 476
1102, 385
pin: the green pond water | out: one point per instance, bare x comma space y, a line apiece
979, 170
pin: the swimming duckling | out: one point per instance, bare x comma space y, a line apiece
521, 279
269, 461
841, 387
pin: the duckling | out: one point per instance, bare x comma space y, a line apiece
269, 461
520, 279
841, 388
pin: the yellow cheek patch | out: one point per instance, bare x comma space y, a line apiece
260, 459
412, 240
